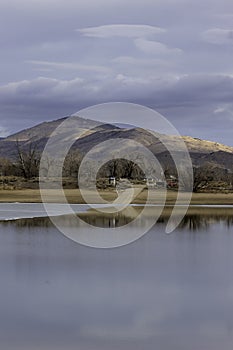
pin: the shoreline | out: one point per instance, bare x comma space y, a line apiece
74, 196
16, 212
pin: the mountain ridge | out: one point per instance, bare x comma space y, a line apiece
201, 151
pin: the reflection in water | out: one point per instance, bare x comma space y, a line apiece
118, 219
197, 218
197, 222
201, 219
161, 292
192, 221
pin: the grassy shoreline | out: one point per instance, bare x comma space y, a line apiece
74, 196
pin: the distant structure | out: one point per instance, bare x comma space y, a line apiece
112, 181
155, 183
172, 182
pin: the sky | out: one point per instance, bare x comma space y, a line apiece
174, 56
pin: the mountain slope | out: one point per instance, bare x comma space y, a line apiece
201, 151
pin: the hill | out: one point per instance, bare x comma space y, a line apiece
201, 151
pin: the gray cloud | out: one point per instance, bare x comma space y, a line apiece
121, 30
170, 95
69, 65
170, 90
218, 36
154, 47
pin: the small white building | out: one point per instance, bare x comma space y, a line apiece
112, 181
155, 183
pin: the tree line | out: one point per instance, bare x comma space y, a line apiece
26, 164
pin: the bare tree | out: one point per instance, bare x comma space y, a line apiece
28, 160
6, 167
72, 163
203, 175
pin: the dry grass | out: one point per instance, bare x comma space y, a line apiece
74, 196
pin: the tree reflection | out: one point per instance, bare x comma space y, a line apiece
195, 223
197, 219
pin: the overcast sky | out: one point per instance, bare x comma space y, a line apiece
175, 56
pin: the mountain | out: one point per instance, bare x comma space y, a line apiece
201, 151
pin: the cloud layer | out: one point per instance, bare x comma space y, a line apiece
59, 57
121, 30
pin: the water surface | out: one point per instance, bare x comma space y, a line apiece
161, 292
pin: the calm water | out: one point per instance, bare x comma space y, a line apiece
161, 292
